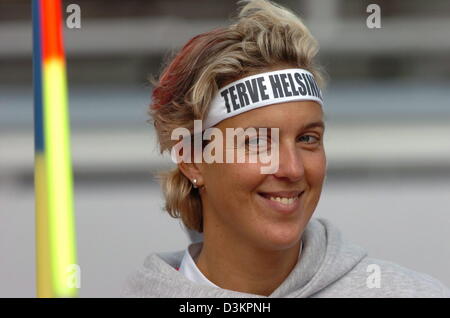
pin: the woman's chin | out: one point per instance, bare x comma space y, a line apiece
281, 239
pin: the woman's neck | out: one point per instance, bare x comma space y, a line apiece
233, 265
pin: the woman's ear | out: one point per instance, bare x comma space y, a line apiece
193, 172
186, 161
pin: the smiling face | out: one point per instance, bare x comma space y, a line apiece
268, 211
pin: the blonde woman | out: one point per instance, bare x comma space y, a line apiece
258, 235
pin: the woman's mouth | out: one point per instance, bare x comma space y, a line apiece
283, 202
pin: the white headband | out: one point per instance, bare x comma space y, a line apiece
260, 90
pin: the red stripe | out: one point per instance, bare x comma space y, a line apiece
51, 29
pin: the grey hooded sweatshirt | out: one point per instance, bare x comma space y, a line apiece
328, 266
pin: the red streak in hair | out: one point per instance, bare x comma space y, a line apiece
171, 76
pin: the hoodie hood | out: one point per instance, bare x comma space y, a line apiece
325, 258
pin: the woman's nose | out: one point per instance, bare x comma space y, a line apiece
290, 164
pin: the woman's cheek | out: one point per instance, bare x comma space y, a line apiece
315, 166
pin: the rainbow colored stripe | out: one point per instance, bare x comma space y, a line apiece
55, 225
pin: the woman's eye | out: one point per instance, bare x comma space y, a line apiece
310, 139
257, 142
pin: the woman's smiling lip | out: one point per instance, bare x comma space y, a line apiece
282, 194
285, 202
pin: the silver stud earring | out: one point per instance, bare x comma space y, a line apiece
195, 183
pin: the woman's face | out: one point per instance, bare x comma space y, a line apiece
269, 211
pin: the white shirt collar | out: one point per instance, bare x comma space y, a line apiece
190, 270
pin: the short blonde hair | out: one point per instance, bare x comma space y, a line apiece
263, 35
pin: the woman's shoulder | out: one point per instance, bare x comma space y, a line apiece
156, 269
373, 277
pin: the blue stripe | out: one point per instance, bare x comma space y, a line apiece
37, 78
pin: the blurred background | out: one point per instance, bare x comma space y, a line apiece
387, 137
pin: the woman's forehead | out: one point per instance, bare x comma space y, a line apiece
307, 114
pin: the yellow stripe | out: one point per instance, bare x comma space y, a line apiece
59, 177
43, 274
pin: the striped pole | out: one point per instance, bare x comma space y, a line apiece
55, 226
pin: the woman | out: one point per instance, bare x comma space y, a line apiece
258, 235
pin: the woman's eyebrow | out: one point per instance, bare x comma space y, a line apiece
315, 124
319, 124
258, 127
